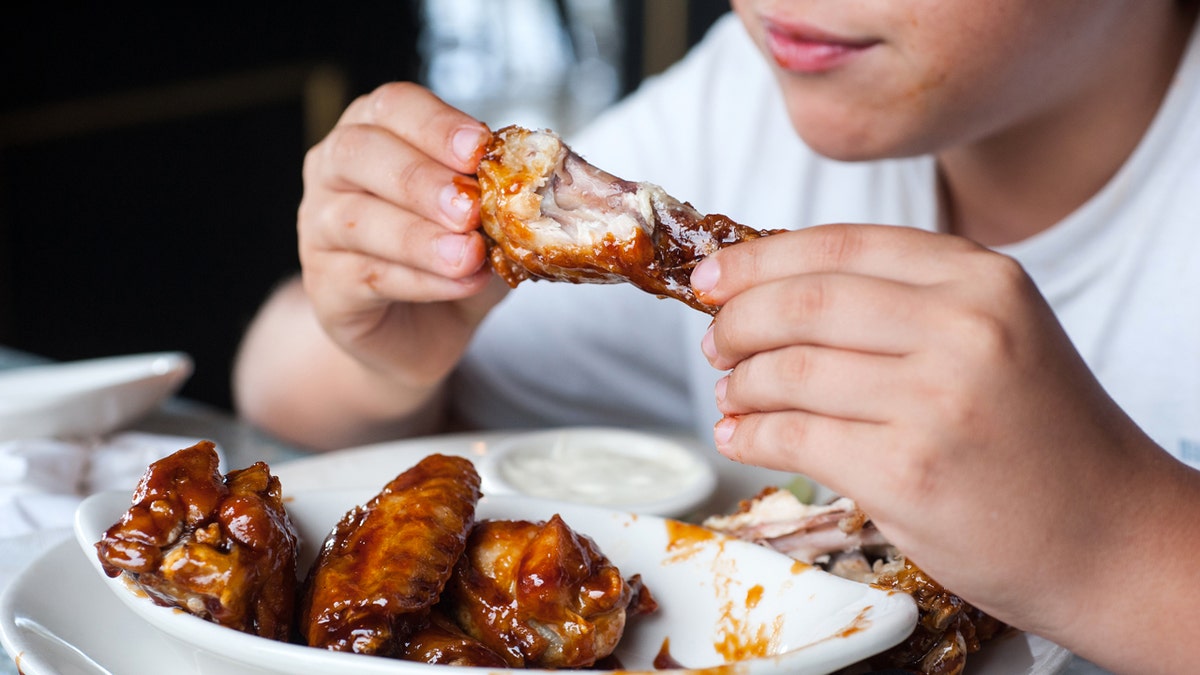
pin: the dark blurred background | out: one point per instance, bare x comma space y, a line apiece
150, 159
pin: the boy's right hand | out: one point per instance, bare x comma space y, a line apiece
393, 262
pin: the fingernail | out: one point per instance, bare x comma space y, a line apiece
706, 275
455, 203
466, 143
720, 388
708, 344
723, 431
452, 248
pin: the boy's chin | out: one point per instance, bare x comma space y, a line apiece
844, 139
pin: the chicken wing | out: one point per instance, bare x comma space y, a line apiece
948, 628
539, 594
219, 547
548, 214
383, 567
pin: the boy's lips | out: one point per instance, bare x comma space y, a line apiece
803, 49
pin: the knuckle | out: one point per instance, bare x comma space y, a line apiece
389, 95
840, 243
409, 178
797, 365
448, 119
985, 336
370, 274
1004, 271
949, 408
917, 475
312, 159
807, 299
343, 145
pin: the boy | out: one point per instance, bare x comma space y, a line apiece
1007, 382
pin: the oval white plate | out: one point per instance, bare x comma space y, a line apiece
46, 636
719, 598
87, 398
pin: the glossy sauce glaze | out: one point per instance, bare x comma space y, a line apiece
382, 568
548, 214
219, 547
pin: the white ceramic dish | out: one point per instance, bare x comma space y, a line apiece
87, 398
616, 468
720, 600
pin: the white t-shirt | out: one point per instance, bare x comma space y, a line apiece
1122, 272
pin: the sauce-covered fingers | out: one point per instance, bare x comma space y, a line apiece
844, 311
363, 158
898, 253
413, 113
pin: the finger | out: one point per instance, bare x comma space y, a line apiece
419, 117
799, 442
370, 159
842, 311
898, 253
354, 281
359, 223
828, 382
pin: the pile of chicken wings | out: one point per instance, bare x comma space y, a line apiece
411, 574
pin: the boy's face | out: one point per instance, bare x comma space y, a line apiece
866, 79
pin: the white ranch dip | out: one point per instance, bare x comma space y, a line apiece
607, 468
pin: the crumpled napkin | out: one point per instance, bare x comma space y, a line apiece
43, 480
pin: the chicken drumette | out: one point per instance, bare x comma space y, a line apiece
219, 547
540, 594
548, 214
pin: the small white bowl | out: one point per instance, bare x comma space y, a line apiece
616, 468
87, 398
721, 600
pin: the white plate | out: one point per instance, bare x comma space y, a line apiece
61, 595
58, 616
86, 398
720, 600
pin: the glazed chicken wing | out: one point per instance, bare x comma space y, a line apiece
219, 547
383, 567
539, 594
948, 628
548, 214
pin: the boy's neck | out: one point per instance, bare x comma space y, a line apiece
1011, 185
